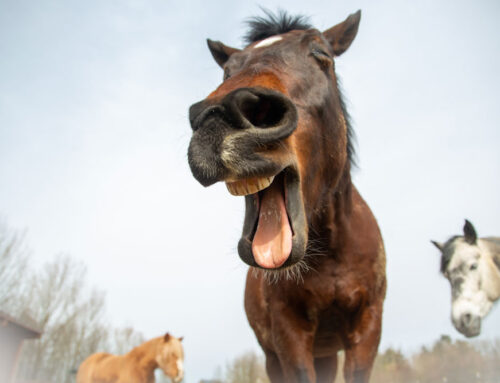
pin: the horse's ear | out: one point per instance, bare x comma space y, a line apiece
220, 52
469, 233
166, 337
438, 245
181, 338
342, 35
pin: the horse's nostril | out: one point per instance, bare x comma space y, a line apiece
466, 319
194, 112
264, 114
261, 110
200, 111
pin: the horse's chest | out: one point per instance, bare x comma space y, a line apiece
334, 310
339, 292
326, 305
327, 340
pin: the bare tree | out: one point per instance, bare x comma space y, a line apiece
122, 340
13, 266
70, 320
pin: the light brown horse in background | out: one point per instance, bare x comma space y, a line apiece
138, 365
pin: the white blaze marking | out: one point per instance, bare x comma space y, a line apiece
180, 367
268, 41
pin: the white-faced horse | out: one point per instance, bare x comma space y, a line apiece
472, 265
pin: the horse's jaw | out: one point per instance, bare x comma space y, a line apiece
275, 231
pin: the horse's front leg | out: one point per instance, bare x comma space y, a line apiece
293, 338
362, 345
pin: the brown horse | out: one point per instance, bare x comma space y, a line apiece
276, 131
138, 365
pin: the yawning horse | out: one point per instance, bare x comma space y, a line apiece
138, 365
472, 265
276, 131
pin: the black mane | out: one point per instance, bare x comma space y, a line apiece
276, 24
351, 137
264, 27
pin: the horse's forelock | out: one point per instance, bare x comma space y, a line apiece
273, 24
447, 253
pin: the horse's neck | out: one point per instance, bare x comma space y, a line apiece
492, 277
334, 207
144, 356
493, 244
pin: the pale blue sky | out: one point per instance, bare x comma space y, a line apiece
94, 132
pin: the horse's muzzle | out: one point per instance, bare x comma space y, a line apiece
229, 134
469, 325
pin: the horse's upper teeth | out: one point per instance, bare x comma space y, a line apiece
249, 185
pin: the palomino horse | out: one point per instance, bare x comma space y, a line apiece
472, 265
276, 131
138, 365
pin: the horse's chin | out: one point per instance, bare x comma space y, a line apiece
470, 332
258, 248
470, 329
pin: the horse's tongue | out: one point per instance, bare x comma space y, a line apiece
272, 243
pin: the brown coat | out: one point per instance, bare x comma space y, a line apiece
138, 365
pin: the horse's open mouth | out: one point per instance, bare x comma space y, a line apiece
274, 230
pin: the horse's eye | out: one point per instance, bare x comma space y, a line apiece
473, 266
321, 56
320, 52
226, 74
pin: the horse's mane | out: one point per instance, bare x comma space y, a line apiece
275, 24
351, 137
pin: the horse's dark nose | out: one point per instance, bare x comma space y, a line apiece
249, 108
466, 319
471, 324
229, 133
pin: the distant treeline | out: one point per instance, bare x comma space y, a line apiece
446, 361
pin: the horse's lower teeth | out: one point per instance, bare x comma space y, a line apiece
248, 186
